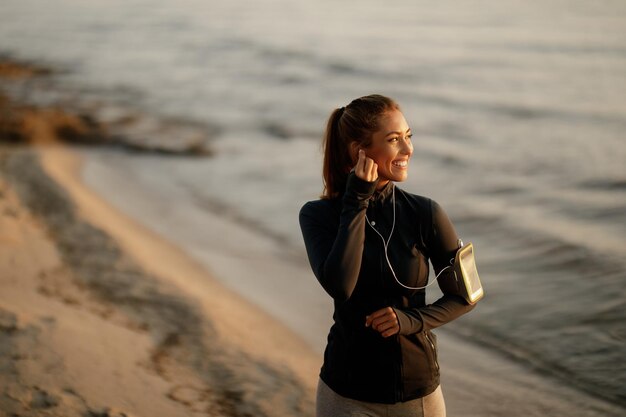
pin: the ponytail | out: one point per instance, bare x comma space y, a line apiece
337, 159
354, 123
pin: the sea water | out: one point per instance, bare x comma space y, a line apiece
518, 110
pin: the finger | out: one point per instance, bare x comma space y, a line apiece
374, 171
369, 319
391, 332
367, 169
379, 313
360, 163
376, 314
383, 327
383, 321
363, 166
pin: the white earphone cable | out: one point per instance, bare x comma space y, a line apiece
386, 244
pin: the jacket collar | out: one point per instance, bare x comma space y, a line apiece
383, 194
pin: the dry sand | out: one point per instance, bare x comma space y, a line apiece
112, 320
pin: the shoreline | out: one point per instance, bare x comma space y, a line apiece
243, 364
243, 359
225, 355
471, 371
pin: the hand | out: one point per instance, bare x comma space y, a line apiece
384, 321
366, 168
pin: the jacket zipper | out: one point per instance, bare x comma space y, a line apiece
398, 383
432, 345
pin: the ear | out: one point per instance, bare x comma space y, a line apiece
354, 151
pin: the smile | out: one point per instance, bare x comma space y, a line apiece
400, 164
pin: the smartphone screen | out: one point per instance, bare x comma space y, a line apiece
470, 274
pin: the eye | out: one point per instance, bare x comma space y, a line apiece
394, 139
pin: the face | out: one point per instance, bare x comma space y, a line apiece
391, 147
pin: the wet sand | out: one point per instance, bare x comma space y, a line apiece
91, 322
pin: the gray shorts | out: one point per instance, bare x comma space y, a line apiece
331, 404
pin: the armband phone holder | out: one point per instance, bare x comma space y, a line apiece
465, 280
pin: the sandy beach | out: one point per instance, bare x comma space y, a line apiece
101, 315
90, 327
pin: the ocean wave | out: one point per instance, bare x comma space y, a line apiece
550, 302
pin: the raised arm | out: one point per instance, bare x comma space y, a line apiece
335, 250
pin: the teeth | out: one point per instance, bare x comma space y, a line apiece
400, 163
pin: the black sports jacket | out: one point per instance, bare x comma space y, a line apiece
348, 259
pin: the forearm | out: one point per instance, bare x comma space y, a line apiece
444, 310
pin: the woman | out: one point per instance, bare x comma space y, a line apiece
369, 244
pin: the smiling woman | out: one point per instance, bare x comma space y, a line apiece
369, 244
390, 149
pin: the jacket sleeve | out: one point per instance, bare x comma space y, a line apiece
335, 254
443, 241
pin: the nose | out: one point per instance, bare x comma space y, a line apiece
407, 147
